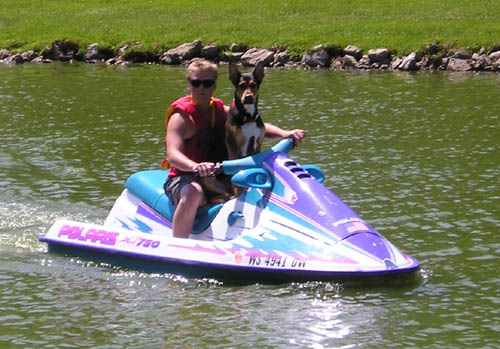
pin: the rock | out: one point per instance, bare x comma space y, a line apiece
381, 66
444, 63
122, 50
495, 66
480, 62
96, 53
343, 63
28, 56
181, 53
462, 54
363, 63
281, 59
337, 64
231, 56
210, 52
134, 53
423, 63
40, 60
92, 53
457, 64
238, 47
396, 62
379, 55
409, 63
353, 51
494, 56
112, 61
4, 54
14, 59
61, 50
437, 62
350, 61
292, 64
495, 49
317, 57
257, 55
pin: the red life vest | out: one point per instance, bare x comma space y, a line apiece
207, 144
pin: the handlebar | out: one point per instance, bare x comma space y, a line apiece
230, 167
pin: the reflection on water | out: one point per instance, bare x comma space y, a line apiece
415, 154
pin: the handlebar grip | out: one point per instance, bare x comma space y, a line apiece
230, 167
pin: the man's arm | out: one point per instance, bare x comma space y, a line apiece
174, 139
273, 131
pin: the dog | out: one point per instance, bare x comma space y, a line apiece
244, 127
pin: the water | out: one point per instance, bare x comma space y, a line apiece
416, 155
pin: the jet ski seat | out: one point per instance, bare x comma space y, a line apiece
148, 187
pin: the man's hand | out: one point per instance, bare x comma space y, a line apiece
204, 168
297, 135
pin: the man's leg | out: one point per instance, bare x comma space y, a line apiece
191, 198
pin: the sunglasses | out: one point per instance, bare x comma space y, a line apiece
206, 83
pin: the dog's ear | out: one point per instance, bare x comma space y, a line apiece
258, 72
234, 74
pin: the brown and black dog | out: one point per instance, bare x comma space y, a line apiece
244, 126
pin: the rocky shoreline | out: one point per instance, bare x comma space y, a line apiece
432, 57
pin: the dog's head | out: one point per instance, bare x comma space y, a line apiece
246, 86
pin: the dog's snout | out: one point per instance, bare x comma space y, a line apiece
248, 99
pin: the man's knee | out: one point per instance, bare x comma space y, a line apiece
192, 193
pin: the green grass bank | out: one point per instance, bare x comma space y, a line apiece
402, 26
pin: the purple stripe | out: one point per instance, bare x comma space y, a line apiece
145, 211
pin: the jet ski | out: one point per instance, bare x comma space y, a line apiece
284, 226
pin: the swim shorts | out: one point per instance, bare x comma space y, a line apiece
174, 185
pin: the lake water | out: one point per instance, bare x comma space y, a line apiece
416, 155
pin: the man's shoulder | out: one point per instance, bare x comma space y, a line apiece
177, 118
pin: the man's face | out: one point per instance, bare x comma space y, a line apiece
202, 86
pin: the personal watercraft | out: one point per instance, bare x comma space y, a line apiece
286, 225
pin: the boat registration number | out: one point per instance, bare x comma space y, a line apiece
276, 261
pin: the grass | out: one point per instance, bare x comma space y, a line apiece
403, 26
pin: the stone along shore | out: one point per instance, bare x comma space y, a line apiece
432, 57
